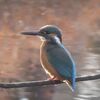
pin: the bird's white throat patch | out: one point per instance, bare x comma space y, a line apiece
42, 38
55, 37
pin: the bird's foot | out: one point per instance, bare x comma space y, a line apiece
53, 78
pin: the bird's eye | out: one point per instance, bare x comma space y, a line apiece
44, 32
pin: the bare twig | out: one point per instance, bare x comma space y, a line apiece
44, 82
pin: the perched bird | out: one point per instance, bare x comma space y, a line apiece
55, 59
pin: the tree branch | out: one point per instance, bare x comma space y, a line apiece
44, 82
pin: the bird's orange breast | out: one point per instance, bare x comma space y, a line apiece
46, 65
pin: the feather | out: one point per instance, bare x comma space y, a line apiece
61, 60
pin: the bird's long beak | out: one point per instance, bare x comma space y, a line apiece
30, 33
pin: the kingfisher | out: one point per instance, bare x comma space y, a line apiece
55, 59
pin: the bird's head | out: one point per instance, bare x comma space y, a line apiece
47, 33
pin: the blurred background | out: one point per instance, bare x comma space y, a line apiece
19, 55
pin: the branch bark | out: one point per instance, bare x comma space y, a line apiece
45, 82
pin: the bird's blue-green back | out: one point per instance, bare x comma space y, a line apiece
61, 60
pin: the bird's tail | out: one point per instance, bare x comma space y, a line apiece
70, 84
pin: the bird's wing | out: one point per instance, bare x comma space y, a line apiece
62, 61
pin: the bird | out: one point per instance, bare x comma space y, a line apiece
55, 59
